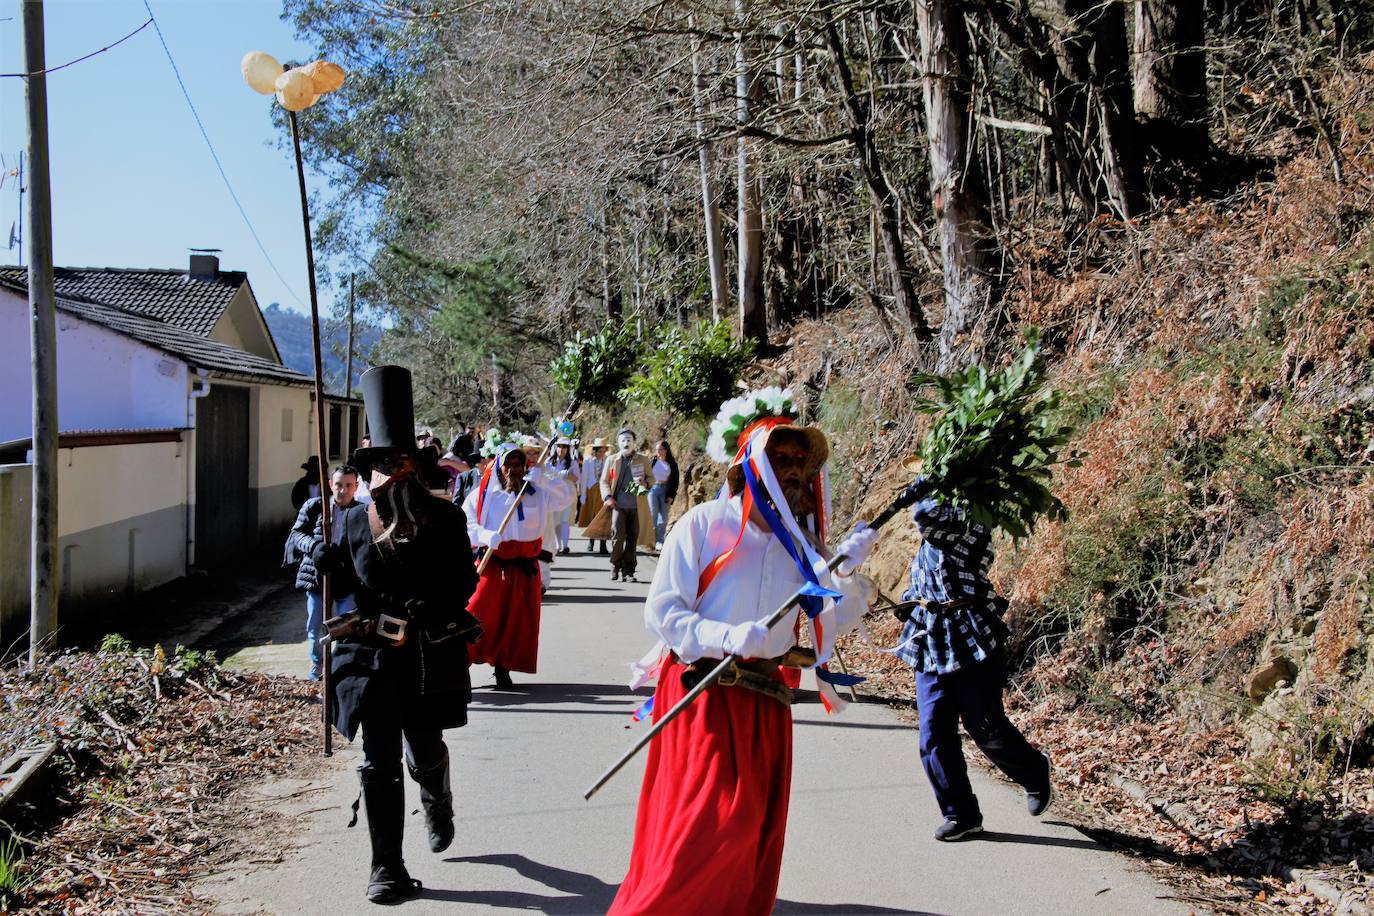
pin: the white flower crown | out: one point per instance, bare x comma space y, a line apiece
736, 414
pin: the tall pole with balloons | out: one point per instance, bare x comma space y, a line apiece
297, 89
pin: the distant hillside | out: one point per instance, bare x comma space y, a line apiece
291, 331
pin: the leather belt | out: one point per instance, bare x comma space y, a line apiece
758, 675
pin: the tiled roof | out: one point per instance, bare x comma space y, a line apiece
197, 351
192, 304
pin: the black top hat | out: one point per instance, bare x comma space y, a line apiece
390, 416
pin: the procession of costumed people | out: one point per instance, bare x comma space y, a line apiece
423, 588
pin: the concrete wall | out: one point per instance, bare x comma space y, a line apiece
104, 380
276, 459
16, 488
122, 519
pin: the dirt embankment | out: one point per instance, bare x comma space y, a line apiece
1196, 644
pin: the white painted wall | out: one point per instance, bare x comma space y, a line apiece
105, 485
104, 380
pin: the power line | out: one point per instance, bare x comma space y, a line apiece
214, 155
63, 66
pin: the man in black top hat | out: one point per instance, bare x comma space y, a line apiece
400, 670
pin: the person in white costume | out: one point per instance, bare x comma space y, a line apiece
507, 600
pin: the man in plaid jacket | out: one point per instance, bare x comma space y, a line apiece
955, 641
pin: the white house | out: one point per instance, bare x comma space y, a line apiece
181, 432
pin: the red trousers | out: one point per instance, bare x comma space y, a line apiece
713, 807
507, 603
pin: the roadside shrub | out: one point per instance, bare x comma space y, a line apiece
595, 367
690, 373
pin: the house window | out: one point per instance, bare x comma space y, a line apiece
335, 429
286, 424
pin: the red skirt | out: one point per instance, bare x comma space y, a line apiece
713, 807
507, 603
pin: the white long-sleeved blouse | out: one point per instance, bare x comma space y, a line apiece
759, 577
551, 494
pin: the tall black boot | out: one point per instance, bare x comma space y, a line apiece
437, 801
384, 799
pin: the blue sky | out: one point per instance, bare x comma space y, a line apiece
133, 184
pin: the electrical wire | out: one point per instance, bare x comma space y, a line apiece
85, 57
214, 155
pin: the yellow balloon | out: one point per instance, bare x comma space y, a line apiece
295, 90
260, 71
326, 76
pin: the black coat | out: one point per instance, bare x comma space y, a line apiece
422, 682
305, 534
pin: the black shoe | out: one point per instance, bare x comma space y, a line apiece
603, 551
615, 575
391, 884
952, 830
1039, 801
503, 681
437, 800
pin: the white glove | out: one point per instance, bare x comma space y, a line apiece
494, 540
535, 475
855, 548
746, 639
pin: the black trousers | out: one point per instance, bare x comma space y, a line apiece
385, 739
973, 694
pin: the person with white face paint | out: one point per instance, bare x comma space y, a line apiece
622, 479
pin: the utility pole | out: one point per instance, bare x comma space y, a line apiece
348, 373
43, 584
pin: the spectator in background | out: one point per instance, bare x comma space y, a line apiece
663, 491
364, 494
467, 481
591, 482
308, 487
564, 464
303, 545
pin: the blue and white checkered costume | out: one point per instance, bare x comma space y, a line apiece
950, 565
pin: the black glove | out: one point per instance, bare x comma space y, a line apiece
328, 558
443, 623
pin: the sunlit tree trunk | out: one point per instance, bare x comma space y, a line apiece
753, 316
958, 189
710, 204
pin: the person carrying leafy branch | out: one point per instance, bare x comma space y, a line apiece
986, 466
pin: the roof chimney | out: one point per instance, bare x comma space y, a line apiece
204, 263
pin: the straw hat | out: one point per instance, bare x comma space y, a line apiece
758, 416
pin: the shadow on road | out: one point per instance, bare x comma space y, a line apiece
554, 599
793, 906
585, 894
993, 836
554, 695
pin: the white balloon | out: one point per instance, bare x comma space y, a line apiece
295, 90
260, 71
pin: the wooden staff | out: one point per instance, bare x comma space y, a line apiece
326, 497
524, 486
907, 497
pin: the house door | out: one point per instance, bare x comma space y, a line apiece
224, 522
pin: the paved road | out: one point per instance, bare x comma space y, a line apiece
858, 841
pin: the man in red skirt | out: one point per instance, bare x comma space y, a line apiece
507, 599
713, 805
